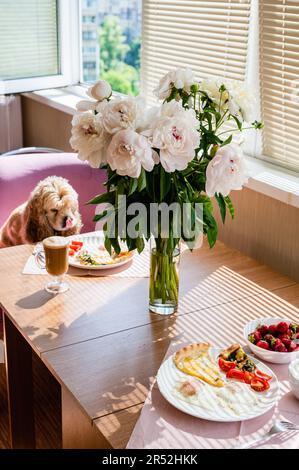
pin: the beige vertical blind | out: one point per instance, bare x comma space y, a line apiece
28, 39
210, 37
279, 78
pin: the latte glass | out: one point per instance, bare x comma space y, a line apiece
56, 262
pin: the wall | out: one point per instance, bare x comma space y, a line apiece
264, 228
44, 126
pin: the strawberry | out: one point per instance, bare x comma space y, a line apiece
280, 348
270, 339
297, 336
272, 329
282, 327
292, 346
257, 336
277, 342
263, 344
286, 341
263, 330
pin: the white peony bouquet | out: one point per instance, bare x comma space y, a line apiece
180, 151
176, 151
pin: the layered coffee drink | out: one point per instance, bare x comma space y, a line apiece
56, 255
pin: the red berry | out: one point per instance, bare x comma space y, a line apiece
292, 346
275, 343
286, 341
269, 338
282, 327
280, 348
263, 330
257, 336
272, 329
289, 332
297, 336
263, 344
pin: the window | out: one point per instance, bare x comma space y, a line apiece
279, 78
208, 36
252, 40
111, 32
35, 38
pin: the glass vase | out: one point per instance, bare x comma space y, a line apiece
164, 277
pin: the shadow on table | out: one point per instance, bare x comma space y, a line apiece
36, 300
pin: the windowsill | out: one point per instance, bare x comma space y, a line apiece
265, 178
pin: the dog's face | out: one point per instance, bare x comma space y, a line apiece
55, 200
61, 212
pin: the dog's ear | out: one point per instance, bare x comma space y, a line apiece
37, 226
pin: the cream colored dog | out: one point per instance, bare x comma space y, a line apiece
52, 209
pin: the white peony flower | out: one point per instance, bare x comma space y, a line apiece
100, 91
175, 134
181, 78
237, 98
242, 101
128, 152
89, 138
211, 87
226, 171
121, 113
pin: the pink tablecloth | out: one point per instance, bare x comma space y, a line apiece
161, 426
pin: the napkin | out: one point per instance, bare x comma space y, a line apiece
162, 426
137, 267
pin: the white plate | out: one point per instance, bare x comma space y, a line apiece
169, 375
93, 242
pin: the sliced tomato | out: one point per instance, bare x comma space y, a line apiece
261, 374
226, 365
259, 385
236, 374
71, 252
74, 247
77, 242
248, 376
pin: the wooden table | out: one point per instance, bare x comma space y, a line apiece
103, 347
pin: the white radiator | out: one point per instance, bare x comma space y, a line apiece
11, 133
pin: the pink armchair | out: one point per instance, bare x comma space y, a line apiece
20, 173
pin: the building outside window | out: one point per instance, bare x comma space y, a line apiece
111, 37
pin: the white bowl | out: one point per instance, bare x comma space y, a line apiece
294, 377
265, 354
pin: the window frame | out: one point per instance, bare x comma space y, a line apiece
69, 26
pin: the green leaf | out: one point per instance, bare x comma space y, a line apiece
227, 141
139, 244
230, 206
222, 206
107, 244
141, 181
165, 183
133, 185
105, 197
115, 243
212, 234
238, 122
211, 227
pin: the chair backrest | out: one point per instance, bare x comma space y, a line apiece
19, 174
31, 150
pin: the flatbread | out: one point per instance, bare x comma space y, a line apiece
195, 360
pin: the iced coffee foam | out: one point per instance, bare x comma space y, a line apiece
55, 242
